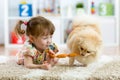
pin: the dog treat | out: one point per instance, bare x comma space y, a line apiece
72, 55
64, 55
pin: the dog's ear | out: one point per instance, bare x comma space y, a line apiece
70, 41
80, 39
96, 28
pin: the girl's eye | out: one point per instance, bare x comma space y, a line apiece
47, 37
44, 37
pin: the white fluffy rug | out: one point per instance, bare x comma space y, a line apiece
106, 68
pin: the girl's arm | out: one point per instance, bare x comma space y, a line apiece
28, 62
52, 60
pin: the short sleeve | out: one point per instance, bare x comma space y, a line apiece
28, 49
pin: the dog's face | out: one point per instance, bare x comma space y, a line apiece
87, 44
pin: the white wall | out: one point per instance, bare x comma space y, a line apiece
1, 21
2, 26
119, 23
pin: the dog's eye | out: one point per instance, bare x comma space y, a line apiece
88, 51
81, 48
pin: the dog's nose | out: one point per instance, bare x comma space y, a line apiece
82, 54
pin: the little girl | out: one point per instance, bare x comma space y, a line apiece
33, 54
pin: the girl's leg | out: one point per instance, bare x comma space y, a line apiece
20, 62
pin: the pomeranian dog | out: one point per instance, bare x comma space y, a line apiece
85, 40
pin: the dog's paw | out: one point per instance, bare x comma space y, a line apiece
83, 65
78, 65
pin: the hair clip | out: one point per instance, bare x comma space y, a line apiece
24, 26
25, 23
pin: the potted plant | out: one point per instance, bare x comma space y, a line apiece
80, 8
79, 5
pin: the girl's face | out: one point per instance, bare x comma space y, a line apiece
42, 42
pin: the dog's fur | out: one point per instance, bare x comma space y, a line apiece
85, 40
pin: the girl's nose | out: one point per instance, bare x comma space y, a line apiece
49, 40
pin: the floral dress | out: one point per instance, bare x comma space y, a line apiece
30, 50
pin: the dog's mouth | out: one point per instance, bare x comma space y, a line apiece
85, 54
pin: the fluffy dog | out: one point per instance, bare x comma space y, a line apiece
85, 40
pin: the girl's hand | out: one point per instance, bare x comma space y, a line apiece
51, 54
51, 59
54, 61
46, 66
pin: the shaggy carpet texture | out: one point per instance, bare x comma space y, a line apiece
106, 68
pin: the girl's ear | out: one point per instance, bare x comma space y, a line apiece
31, 39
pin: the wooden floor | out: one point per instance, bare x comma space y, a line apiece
106, 51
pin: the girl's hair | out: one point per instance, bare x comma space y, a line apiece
36, 26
